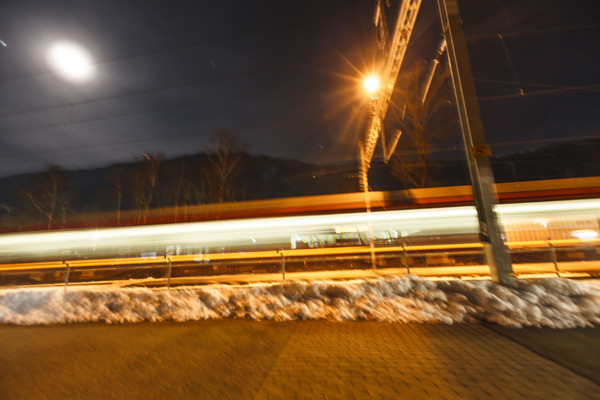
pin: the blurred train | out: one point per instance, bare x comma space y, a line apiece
558, 209
556, 189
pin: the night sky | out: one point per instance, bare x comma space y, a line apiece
284, 76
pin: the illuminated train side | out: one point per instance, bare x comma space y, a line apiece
556, 189
408, 217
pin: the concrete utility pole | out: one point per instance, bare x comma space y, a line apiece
478, 152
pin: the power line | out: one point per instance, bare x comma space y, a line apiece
511, 83
163, 51
579, 89
352, 158
501, 144
272, 125
187, 85
534, 31
512, 67
539, 141
161, 89
256, 71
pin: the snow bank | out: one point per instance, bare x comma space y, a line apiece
554, 303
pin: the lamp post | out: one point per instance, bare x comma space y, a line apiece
371, 85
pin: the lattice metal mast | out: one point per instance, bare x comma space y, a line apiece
407, 15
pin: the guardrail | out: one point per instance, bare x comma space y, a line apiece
462, 259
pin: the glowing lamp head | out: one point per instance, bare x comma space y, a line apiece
371, 84
71, 61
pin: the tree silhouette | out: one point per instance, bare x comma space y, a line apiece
47, 196
224, 156
116, 179
144, 185
185, 190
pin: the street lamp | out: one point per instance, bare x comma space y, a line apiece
71, 61
371, 84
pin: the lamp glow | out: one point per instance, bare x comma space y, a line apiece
371, 84
71, 61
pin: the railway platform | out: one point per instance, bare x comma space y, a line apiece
239, 359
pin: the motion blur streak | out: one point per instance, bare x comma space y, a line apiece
392, 228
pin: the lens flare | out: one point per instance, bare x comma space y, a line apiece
371, 84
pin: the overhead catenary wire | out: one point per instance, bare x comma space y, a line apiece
256, 71
512, 66
242, 35
535, 84
104, 118
353, 157
534, 31
448, 149
140, 143
582, 89
549, 92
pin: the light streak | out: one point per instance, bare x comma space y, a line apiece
274, 232
585, 234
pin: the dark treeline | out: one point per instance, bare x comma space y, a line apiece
226, 172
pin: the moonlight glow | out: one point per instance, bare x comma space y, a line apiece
71, 61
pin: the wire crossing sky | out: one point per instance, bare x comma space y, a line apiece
286, 77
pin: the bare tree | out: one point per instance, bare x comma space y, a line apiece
224, 156
183, 188
116, 178
144, 184
423, 124
47, 196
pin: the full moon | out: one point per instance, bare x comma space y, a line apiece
71, 61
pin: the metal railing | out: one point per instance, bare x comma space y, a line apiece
456, 260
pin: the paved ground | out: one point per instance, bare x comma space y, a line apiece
393, 361
236, 359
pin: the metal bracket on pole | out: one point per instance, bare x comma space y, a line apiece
429, 77
388, 148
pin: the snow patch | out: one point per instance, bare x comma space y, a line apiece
554, 303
